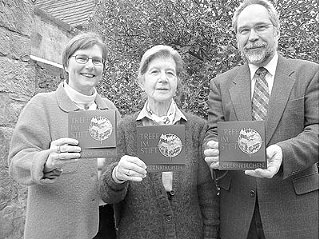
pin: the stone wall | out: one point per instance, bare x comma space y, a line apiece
20, 79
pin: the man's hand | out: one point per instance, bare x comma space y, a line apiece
274, 161
211, 154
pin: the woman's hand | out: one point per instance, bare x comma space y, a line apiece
211, 154
63, 150
130, 168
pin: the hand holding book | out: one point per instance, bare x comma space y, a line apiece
62, 151
274, 161
129, 169
211, 154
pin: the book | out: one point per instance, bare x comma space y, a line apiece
96, 132
162, 147
242, 145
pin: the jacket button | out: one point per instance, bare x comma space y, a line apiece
252, 193
169, 218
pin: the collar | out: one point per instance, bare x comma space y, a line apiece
78, 97
81, 100
66, 104
271, 66
174, 114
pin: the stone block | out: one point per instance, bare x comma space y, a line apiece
17, 16
12, 206
12, 219
13, 45
5, 136
17, 78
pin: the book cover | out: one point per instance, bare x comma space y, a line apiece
242, 145
96, 132
162, 147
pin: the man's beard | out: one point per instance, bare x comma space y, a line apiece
258, 56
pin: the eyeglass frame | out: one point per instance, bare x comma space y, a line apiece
88, 58
258, 29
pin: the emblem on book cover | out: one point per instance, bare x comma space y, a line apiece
169, 145
249, 141
100, 128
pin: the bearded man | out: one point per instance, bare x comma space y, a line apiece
282, 200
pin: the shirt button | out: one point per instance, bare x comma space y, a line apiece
169, 218
252, 193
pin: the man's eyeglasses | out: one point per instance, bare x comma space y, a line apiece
259, 29
83, 59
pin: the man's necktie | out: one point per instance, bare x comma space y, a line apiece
260, 99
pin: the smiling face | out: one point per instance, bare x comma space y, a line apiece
160, 81
84, 77
256, 36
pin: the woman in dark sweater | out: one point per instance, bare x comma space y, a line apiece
174, 204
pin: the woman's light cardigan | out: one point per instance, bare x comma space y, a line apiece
67, 206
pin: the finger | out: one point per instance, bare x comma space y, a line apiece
126, 175
270, 154
124, 168
251, 173
136, 161
135, 179
133, 175
134, 164
53, 173
129, 160
135, 170
211, 160
68, 156
214, 165
62, 141
60, 162
212, 144
211, 152
265, 173
259, 173
67, 148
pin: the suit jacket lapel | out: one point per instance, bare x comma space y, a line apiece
281, 89
240, 94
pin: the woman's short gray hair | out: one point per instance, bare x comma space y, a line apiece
159, 51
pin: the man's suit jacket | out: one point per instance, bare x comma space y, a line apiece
289, 201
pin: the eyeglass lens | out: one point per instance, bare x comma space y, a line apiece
82, 59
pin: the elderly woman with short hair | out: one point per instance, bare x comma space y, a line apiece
161, 205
